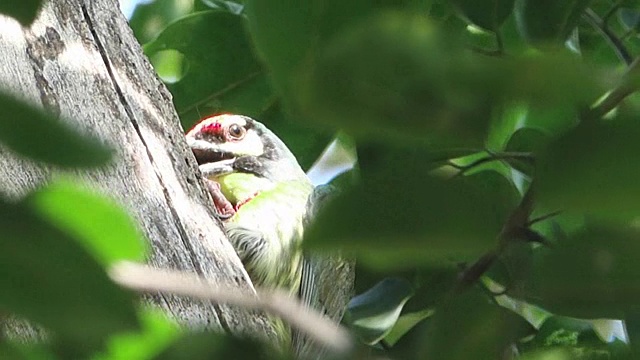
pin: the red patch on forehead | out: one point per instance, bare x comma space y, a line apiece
213, 128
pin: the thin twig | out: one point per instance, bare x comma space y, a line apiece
144, 278
543, 217
623, 53
493, 157
611, 12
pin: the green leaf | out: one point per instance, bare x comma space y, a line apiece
19, 350
526, 140
222, 63
224, 76
549, 354
157, 334
404, 324
400, 215
50, 279
32, 133
25, 11
308, 26
630, 18
471, 324
372, 314
548, 21
565, 331
214, 346
590, 170
394, 77
149, 19
101, 226
592, 274
487, 14
507, 121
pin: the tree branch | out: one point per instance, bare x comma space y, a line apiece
629, 85
144, 278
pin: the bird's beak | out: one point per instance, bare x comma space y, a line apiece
212, 160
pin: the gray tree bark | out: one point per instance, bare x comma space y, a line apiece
81, 62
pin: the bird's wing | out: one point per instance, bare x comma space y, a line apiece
327, 279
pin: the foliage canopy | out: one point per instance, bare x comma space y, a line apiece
493, 209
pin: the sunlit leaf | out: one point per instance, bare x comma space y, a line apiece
103, 227
157, 334
405, 323
49, 278
372, 314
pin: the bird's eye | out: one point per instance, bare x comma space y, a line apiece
236, 131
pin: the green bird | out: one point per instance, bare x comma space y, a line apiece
265, 200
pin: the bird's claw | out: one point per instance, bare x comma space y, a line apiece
224, 208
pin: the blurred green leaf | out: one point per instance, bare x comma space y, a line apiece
548, 21
157, 334
592, 274
50, 279
393, 77
207, 345
400, 215
471, 324
25, 11
591, 169
398, 76
100, 225
28, 132
17, 350
487, 14
372, 314
548, 354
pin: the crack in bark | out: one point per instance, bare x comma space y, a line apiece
183, 235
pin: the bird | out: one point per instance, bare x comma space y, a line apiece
265, 200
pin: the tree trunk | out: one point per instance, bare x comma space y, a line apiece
80, 61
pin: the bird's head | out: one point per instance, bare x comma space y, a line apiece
228, 143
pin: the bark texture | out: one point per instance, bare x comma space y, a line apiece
81, 62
